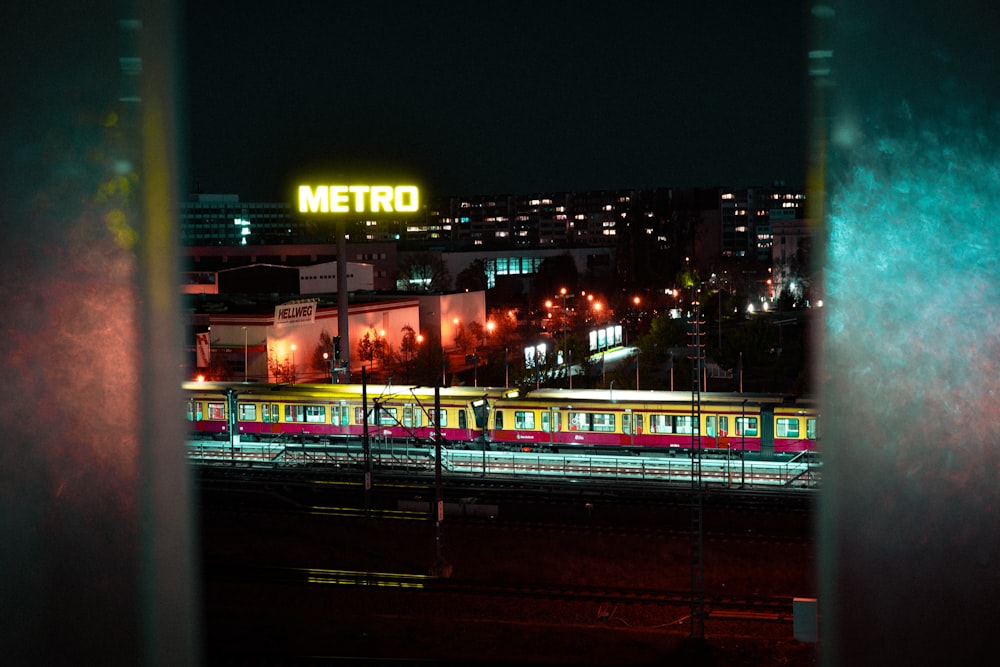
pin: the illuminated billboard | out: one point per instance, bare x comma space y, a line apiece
358, 199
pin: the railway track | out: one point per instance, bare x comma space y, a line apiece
758, 608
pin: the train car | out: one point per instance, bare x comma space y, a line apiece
550, 420
796, 427
652, 422
327, 412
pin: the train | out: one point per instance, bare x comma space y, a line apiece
489, 418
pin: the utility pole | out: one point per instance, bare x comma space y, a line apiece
440, 568
697, 501
365, 441
343, 306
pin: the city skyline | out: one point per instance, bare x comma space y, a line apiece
480, 101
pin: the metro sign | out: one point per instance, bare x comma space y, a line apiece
358, 199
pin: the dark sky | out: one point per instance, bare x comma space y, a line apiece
476, 98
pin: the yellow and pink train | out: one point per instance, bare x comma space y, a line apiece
551, 420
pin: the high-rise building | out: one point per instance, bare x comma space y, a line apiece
746, 216
222, 219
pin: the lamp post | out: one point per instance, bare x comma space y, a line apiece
637, 353
562, 294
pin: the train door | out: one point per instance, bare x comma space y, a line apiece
551, 423
463, 423
767, 432
717, 428
631, 425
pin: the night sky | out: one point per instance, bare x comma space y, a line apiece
476, 98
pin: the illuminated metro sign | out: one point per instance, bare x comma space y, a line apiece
358, 199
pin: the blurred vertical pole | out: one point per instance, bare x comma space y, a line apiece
907, 127
169, 599
95, 541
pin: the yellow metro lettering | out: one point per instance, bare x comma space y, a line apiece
314, 202
374, 198
381, 197
359, 196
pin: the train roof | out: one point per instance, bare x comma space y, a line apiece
654, 396
334, 391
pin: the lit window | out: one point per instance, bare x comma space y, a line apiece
316, 414
524, 420
787, 428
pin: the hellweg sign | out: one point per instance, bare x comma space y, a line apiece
294, 313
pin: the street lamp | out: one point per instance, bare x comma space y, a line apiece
569, 370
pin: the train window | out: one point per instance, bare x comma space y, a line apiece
710, 426
248, 412
216, 410
387, 416
265, 413
295, 413
604, 422
723, 426
524, 419
661, 424
443, 414
274, 413
787, 428
344, 414
746, 426
811, 429
463, 419
498, 420
579, 421
685, 424
194, 411
316, 414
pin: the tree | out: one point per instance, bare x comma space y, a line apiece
466, 338
423, 272
554, 273
504, 332
324, 346
282, 369
409, 348
473, 277
366, 349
